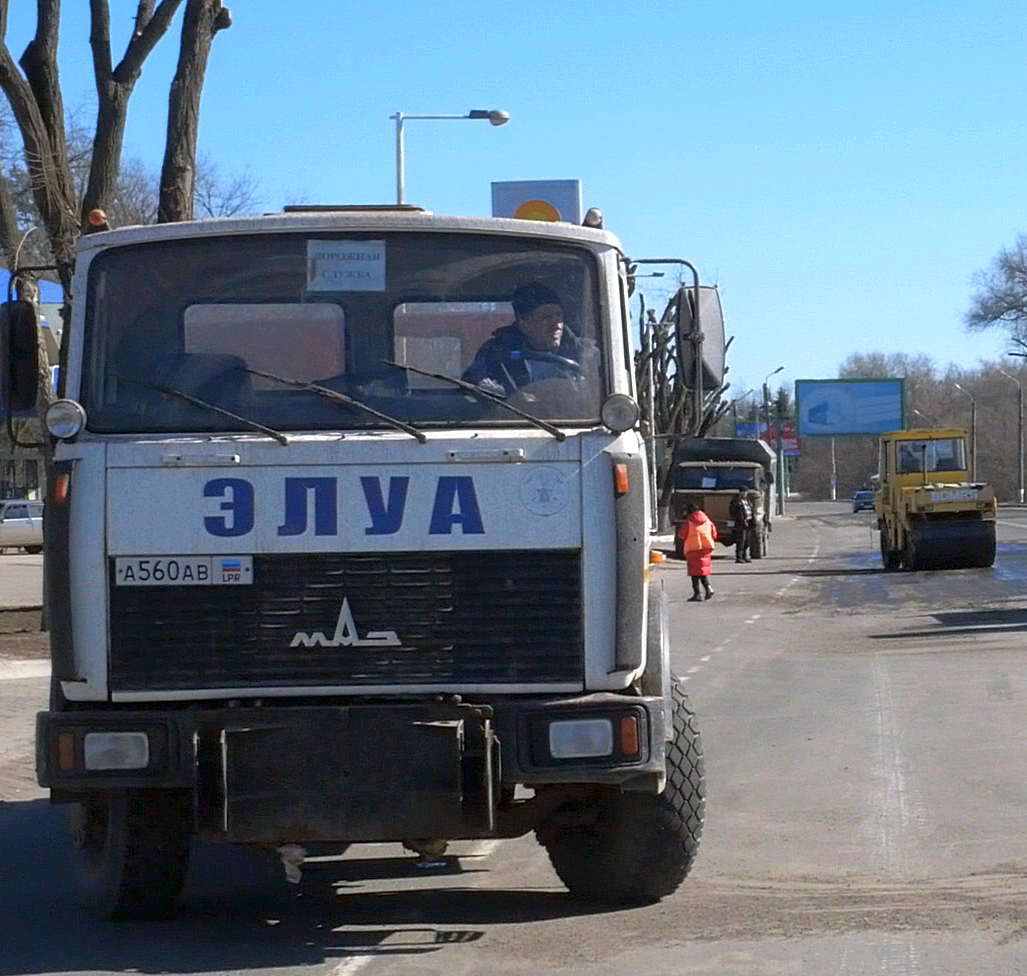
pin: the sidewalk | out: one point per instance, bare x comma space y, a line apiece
21, 582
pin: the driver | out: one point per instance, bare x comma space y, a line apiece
529, 349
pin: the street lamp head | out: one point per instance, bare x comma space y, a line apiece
495, 116
1009, 376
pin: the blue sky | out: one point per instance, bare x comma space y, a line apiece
841, 171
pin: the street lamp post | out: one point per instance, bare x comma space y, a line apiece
493, 116
1019, 434
734, 409
973, 430
766, 410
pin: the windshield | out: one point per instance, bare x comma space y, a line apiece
941, 455
713, 478
348, 314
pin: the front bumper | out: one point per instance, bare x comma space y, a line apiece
355, 772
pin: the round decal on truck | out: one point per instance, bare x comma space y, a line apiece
544, 491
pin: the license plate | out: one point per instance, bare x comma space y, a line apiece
183, 570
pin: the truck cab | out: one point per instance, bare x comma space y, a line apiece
308, 584
708, 472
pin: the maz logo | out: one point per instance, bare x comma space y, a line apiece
346, 635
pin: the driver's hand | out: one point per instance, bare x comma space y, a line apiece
489, 385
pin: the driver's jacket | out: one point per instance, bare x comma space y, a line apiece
508, 360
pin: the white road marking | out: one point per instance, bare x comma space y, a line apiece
351, 965
17, 670
355, 963
704, 659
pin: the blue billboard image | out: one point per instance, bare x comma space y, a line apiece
830, 408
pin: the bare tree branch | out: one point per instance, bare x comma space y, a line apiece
49, 190
203, 19
143, 14
100, 41
139, 48
113, 89
39, 62
1001, 296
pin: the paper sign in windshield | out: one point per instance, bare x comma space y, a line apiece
345, 265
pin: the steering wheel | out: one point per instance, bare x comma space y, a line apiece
561, 362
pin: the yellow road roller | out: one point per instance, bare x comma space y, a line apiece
930, 513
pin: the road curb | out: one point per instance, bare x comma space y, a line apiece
20, 620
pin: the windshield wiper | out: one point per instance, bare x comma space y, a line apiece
340, 398
196, 401
484, 395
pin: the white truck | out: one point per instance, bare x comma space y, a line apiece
307, 585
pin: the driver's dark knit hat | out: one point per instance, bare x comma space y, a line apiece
528, 297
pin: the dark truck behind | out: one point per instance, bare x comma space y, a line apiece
708, 471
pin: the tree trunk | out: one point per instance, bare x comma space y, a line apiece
203, 19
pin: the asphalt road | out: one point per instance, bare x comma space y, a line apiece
867, 778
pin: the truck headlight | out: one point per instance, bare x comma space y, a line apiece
64, 419
619, 412
116, 750
581, 738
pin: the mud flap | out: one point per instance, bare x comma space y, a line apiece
357, 774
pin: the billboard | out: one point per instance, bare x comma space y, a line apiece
834, 408
790, 444
538, 200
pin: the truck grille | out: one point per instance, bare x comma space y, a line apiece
458, 618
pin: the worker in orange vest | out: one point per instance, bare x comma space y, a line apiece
699, 535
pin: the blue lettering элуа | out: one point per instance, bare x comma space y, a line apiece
386, 518
458, 489
239, 503
297, 490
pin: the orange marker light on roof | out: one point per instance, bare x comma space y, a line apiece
97, 218
620, 479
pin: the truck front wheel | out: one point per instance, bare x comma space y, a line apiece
638, 848
131, 851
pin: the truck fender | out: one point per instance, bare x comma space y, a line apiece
656, 678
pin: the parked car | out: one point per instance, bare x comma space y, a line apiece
861, 500
21, 525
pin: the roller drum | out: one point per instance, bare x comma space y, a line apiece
949, 544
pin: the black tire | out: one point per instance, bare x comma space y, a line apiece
131, 851
641, 846
889, 558
758, 546
33, 550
